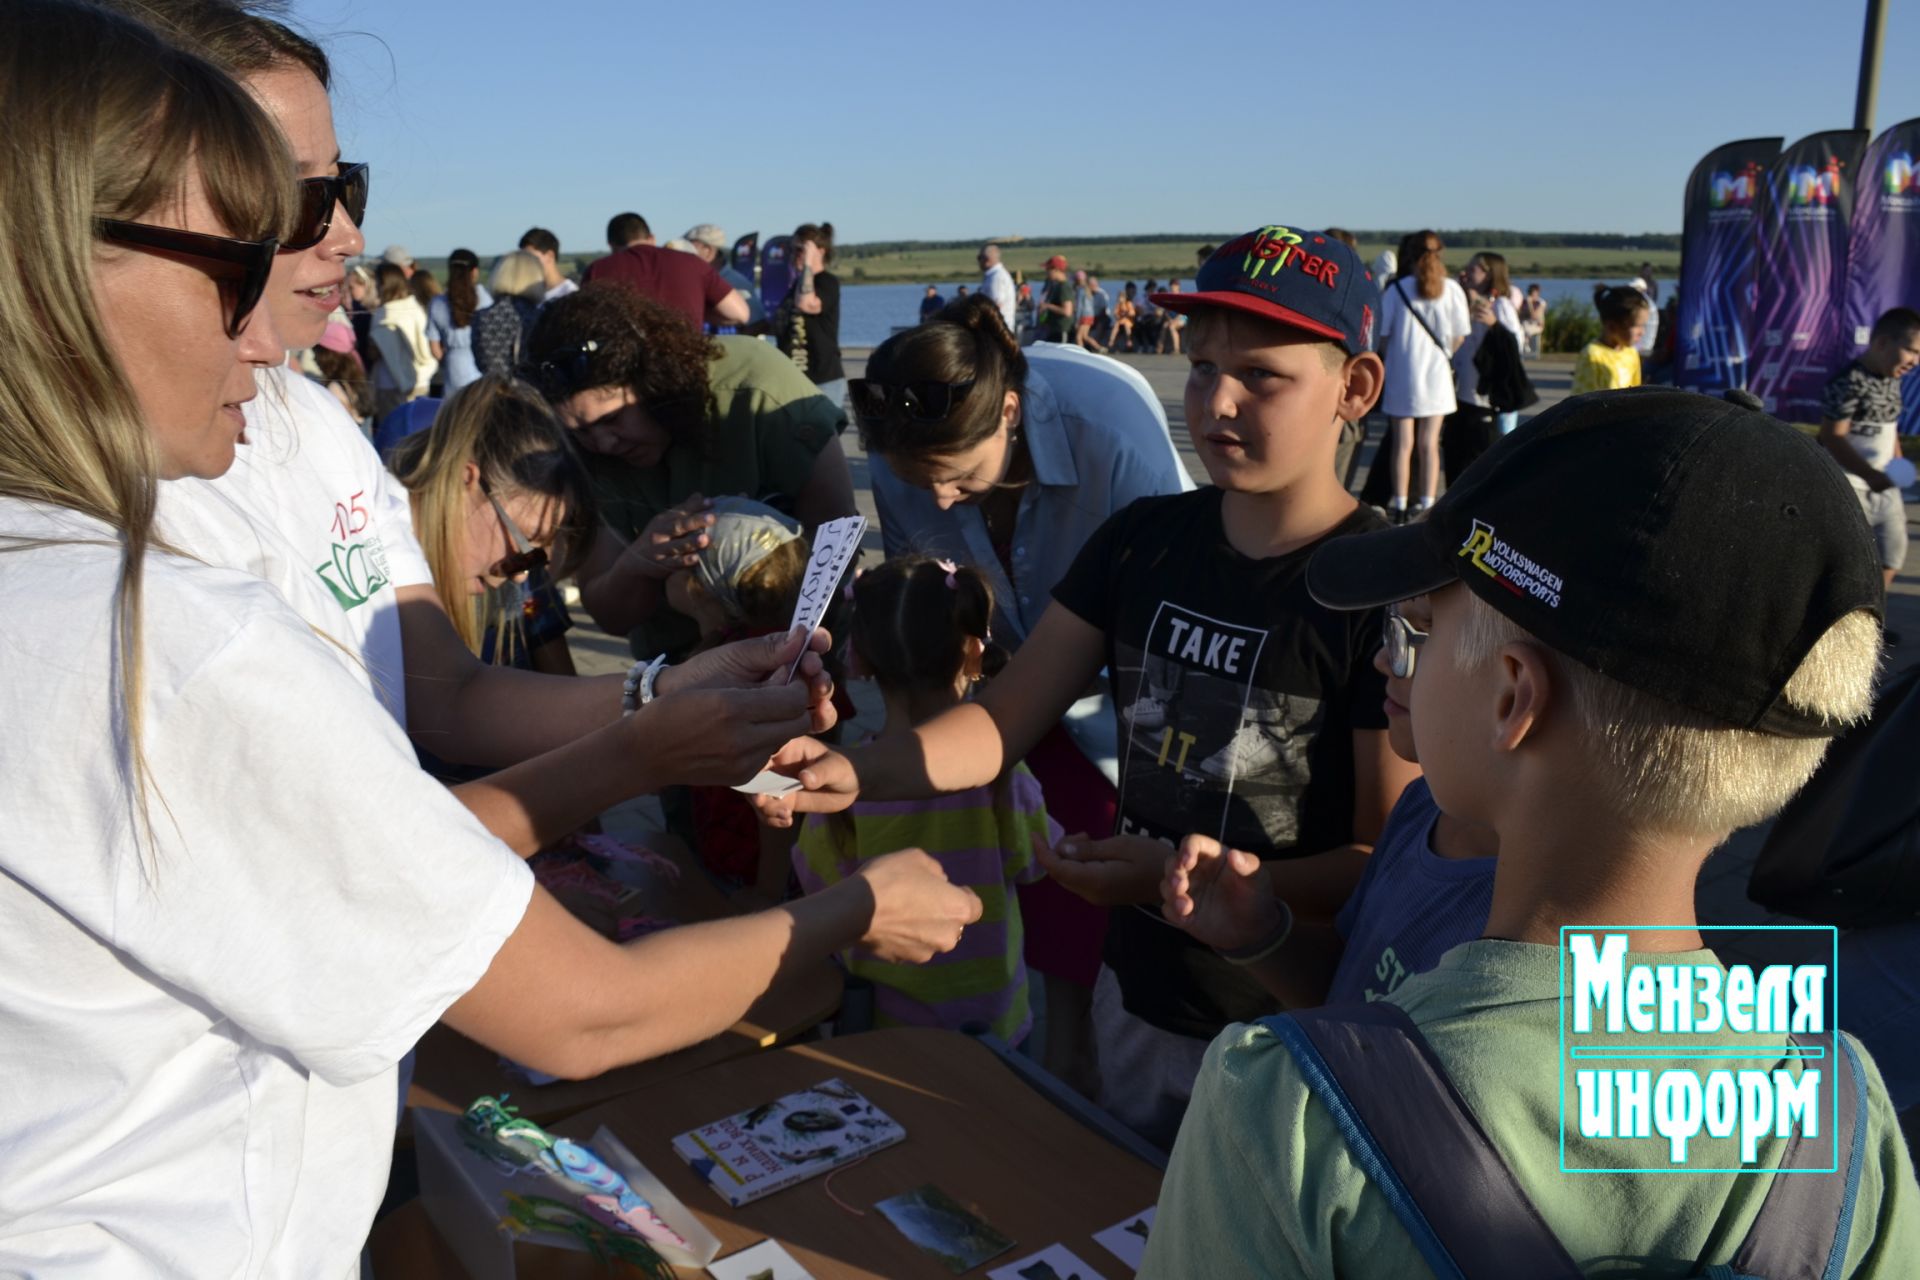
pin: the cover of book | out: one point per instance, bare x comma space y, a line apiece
788, 1140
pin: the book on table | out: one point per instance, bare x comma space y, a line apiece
793, 1138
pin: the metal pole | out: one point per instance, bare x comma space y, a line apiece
1870, 64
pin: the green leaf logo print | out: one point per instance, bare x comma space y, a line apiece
355, 574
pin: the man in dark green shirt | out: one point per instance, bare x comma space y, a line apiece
1056, 306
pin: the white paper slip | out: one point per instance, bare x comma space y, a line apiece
768, 783
1056, 1262
765, 1261
834, 545
1127, 1239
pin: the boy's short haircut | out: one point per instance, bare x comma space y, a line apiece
1899, 323
1694, 550
540, 240
1205, 320
1669, 769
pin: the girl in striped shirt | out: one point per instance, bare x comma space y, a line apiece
920, 631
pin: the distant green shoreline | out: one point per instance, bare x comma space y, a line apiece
1157, 259
1531, 255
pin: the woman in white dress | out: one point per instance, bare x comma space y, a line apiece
1423, 321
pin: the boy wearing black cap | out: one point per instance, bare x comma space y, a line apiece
1612, 685
1247, 712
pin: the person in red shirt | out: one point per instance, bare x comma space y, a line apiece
678, 280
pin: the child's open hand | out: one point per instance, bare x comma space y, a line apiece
1114, 872
1223, 897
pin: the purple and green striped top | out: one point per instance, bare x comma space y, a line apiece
983, 838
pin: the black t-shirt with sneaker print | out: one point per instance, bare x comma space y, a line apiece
1237, 698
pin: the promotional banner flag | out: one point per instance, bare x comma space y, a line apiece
776, 273
1803, 224
1716, 264
1883, 263
746, 253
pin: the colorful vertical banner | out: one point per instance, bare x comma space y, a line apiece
776, 273
746, 254
1883, 263
1804, 222
1717, 264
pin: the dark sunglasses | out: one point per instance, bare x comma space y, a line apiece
564, 372
918, 401
319, 197
240, 267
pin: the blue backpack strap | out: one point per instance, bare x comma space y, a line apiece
1807, 1218
1414, 1137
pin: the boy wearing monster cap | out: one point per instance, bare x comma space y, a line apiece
1246, 711
1612, 685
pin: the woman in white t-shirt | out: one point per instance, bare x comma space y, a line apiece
1489, 293
231, 901
1423, 321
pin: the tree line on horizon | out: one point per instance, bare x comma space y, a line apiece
1479, 237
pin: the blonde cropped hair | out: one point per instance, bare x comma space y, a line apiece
104, 120
518, 275
1671, 770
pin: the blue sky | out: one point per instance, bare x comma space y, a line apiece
941, 121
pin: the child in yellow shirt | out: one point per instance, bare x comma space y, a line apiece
1613, 362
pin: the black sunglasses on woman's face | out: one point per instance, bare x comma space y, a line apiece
240, 267
318, 199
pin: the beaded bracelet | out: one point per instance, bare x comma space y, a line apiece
637, 691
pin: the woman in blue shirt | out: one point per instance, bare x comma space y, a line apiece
450, 314
1008, 460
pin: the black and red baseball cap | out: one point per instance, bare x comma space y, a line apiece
1305, 280
1689, 547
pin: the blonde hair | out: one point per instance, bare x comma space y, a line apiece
505, 429
107, 121
1670, 770
518, 275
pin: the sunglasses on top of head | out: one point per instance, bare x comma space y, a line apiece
239, 267
563, 373
917, 401
318, 199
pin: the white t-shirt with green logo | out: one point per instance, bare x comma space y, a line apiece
309, 507
199, 1036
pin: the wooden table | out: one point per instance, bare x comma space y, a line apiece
451, 1070
974, 1129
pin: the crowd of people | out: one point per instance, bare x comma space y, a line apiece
302, 745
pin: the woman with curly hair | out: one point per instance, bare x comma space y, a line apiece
669, 418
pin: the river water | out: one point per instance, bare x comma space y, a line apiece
869, 312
